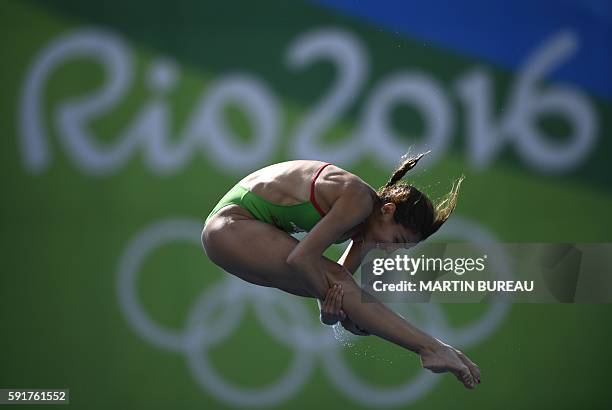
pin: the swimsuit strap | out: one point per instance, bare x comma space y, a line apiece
312, 186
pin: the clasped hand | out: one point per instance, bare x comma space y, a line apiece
332, 313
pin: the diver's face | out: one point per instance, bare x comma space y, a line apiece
383, 229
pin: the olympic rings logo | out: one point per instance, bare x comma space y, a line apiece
308, 342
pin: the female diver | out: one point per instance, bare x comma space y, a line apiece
248, 235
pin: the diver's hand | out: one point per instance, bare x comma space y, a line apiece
331, 309
352, 327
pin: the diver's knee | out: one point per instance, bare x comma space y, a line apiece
212, 239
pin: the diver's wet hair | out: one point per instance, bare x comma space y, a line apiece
414, 209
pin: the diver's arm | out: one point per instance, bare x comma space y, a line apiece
351, 259
316, 271
331, 308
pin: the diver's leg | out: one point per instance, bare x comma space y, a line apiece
257, 252
251, 250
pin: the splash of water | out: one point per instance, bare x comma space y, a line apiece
358, 349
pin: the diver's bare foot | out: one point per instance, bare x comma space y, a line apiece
445, 358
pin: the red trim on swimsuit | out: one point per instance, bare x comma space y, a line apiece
312, 196
312, 186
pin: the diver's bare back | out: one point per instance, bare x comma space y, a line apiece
288, 183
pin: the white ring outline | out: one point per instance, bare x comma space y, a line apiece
194, 339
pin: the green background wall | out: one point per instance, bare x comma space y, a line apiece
67, 226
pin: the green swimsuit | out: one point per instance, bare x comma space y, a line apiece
300, 217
